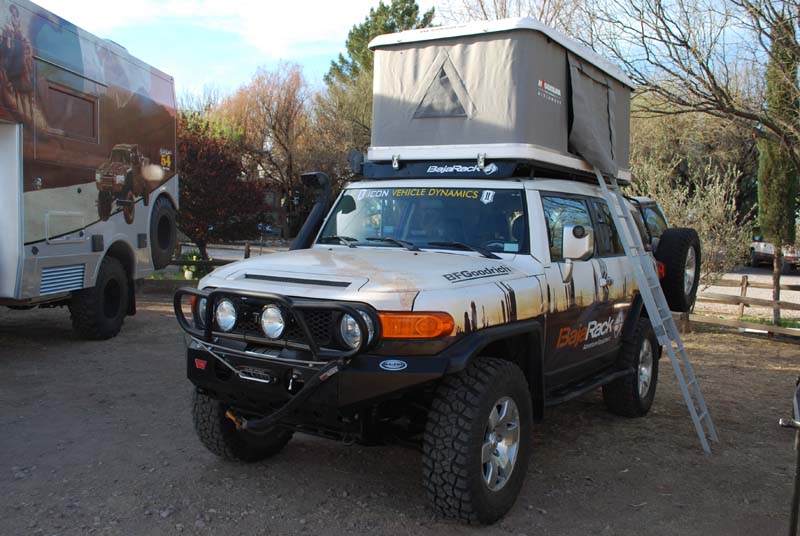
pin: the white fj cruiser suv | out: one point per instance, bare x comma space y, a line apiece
448, 312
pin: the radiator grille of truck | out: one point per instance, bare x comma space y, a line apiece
62, 279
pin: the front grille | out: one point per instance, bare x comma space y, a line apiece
320, 323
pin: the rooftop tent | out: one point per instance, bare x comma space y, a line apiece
512, 89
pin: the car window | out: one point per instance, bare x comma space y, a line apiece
656, 223
560, 211
637, 217
607, 237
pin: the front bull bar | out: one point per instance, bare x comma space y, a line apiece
338, 359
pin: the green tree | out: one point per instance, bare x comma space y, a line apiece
777, 174
395, 17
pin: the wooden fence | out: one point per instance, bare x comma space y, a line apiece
743, 300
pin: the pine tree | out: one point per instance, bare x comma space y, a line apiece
777, 175
398, 16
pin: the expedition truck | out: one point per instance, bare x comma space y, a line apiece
72, 234
121, 179
470, 279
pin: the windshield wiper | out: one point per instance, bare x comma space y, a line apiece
346, 240
402, 243
461, 245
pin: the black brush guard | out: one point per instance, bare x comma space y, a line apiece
332, 361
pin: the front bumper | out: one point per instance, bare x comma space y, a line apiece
260, 383
304, 383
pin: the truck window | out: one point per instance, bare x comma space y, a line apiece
560, 211
656, 223
491, 219
607, 236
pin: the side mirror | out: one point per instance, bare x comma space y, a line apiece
578, 244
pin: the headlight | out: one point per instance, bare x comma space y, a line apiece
351, 333
225, 314
272, 322
200, 313
120, 179
98, 176
370, 325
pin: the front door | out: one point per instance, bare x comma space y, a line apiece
581, 322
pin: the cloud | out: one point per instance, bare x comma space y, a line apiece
277, 29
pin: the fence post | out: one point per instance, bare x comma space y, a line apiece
742, 293
247, 250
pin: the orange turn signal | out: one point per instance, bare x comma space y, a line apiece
415, 325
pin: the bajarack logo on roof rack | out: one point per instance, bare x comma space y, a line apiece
491, 169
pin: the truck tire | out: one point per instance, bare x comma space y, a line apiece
679, 250
104, 202
477, 441
98, 312
129, 209
220, 436
163, 234
632, 395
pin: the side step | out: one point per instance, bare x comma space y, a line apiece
575, 390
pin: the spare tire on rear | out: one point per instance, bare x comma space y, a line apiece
163, 234
679, 251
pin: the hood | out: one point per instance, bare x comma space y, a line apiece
369, 269
113, 168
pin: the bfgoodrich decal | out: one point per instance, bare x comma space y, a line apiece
469, 275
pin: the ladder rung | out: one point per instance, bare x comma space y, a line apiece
657, 308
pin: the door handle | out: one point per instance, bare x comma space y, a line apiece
606, 281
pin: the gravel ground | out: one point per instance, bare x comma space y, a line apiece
96, 438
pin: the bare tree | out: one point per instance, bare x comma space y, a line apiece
701, 56
561, 14
272, 116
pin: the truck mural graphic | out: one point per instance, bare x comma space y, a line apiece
88, 110
121, 179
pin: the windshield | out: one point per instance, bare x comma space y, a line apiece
120, 155
428, 217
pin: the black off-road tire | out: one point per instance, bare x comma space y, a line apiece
452, 472
673, 248
219, 435
98, 312
104, 202
622, 396
163, 232
129, 208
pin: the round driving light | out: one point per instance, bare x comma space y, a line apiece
200, 313
370, 325
351, 333
225, 314
272, 322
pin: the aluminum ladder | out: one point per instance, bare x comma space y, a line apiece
658, 310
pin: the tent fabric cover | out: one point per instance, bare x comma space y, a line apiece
592, 135
515, 88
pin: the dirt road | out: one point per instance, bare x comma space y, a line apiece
96, 438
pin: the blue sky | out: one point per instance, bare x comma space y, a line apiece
219, 43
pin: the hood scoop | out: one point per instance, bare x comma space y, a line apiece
298, 281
